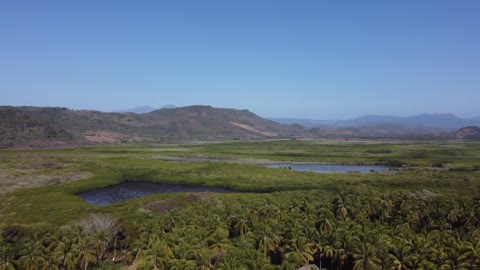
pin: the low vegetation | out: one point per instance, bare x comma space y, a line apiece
424, 214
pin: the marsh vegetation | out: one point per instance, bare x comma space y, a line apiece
424, 216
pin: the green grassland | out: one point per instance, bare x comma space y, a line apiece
447, 168
50, 178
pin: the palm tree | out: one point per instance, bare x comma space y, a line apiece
339, 208
293, 260
258, 262
182, 264
453, 217
301, 248
218, 241
86, 252
32, 256
6, 256
473, 248
254, 217
324, 225
148, 229
204, 259
241, 227
342, 212
418, 244
184, 251
341, 249
159, 254
139, 248
67, 255
230, 263
267, 244
457, 258
384, 260
50, 263
101, 240
327, 246
400, 254
365, 257
385, 209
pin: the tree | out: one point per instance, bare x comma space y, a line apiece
230, 263
204, 259
32, 256
86, 252
159, 254
457, 258
365, 257
300, 250
241, 227
67, 255
473, 250
6, 255
400, 254
103, 230
267, 244
258, 261
218, 242
452, 217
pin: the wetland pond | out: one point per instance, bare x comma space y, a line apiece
321, 168
316, 168
131, 190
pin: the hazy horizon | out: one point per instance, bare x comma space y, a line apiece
313, 60
264, 116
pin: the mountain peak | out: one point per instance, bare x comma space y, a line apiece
139, 110
146, 109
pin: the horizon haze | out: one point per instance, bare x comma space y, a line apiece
312, 60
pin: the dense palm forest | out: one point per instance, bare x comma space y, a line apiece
284, 230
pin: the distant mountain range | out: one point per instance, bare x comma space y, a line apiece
147, 109
430, 121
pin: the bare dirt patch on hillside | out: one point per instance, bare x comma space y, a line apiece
254, 129
112, 137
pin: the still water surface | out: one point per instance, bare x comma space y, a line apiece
131, 190
320, 168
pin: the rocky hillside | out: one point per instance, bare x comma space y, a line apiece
26, 125
468, 133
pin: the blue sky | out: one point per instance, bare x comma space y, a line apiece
309, 59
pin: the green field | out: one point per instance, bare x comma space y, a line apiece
424, 214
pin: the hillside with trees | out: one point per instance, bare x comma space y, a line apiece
33, 125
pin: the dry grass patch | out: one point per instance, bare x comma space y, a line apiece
26, 171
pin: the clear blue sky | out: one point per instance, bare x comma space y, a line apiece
310, 59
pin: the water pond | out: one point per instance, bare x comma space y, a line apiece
320, 168
131, 190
